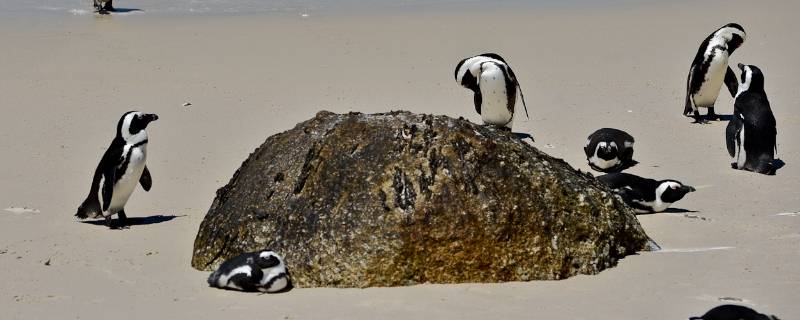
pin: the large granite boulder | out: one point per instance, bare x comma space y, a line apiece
356, 200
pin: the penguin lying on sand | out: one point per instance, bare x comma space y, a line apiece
254, 271
710, 68
609, 150
120, 169
733, 312
495, 87
751, 134
645, 195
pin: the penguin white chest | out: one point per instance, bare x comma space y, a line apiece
129, 179
495, 102
713, 79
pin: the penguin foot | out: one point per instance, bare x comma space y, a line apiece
712, 117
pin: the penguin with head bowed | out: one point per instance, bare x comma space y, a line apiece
103, 6
609, 150
733, 312
751, 134
121, 168
262, 271
645, 195
710, 69
494, 85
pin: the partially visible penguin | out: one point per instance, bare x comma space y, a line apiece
710, 68
103, 6
120, 169
733, 312
262, 271
751, 134
609, 150
495, 87
645, 195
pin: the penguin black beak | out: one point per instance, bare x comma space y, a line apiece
151, 117
741, 66
688, 189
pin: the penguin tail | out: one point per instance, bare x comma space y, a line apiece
90, 208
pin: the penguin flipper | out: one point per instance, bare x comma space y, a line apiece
145, 180
731, 82
734, 126
108, 185
521, 95
478, 100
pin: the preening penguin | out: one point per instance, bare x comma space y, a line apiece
751, 134
609, 150
645, 195
494, 85
733, 312
262, 271
120, 169
710, 68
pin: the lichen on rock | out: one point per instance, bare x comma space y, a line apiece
357, 200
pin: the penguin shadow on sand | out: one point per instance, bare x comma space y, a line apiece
138, 221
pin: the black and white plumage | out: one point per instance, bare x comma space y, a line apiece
103, 6
120, 169
751, 134
733, 312
609, 150
710, 69
262, 271
494, 85
645, 195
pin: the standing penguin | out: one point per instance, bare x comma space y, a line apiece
103, 6
262, 271
609, 150
733, 312
120, 169
710, 68
645, 195
495, 87
751, 134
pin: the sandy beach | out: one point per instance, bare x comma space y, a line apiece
66, 80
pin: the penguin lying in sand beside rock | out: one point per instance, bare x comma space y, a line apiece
733, 312
495, 87
609, 150
262, 271
751, 134
121, 168
710, 69
645, 195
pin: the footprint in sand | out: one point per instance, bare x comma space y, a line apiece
21, 210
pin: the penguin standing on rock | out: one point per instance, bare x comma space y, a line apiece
495, 87
710, 68
609, 150
262, 271
645, 195
120, 169
751, 134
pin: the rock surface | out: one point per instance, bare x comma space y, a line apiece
390, 199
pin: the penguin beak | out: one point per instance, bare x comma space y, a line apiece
151, 117
688, 189
741, 66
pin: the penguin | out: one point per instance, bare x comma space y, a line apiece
119, 170
733, 312
494, 85
609, 150
262, 271
751, 134
103, 6
645, 195
710, 68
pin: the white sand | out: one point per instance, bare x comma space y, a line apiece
64, 84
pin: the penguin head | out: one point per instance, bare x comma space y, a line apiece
752, 79
734, 35
268, 259
607, 151
670, 191
132, 124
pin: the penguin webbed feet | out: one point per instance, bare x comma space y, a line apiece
699, 119
711, 115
